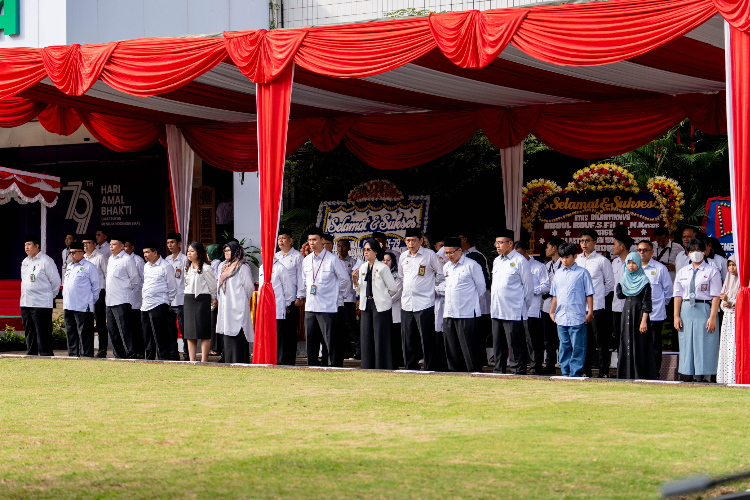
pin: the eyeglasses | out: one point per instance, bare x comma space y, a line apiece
367, 249
450, 253
644, 250
587, 240
503, 242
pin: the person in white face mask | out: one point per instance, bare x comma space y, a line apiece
696, 302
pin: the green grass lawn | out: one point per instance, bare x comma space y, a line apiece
98, 429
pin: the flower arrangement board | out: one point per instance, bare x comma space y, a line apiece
357, 220
599, 197
718, 222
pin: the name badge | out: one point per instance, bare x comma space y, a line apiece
704, 287
422, 270
313, 289
177, 273
32, 278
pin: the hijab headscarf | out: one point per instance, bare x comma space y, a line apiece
233, 265
215, 252
633, 282
732, 284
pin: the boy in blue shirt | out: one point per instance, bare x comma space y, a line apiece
572, 289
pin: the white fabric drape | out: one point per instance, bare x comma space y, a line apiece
181, 162
512, 164
730, 130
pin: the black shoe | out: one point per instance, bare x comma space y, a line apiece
185, 357
101, 354
602, 374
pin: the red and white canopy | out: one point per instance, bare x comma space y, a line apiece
27, 187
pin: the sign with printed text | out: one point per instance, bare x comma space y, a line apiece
357, 221
718, 222
565, 215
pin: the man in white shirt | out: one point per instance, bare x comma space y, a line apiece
66, 259
464, 285
93, 255
101, 243
484, 323
157, 293
123, 281
291, 259
284, 294
666, 251
178, 261
551, 338
138, 338
347, 316
80, 292
682, 260
40, 284
599, 331
661, 293
420, 270
512, 290
534, 325
324, 281
620, 250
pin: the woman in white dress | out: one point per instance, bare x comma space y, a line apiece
236, 287
727, 349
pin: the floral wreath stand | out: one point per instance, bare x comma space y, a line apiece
29, 187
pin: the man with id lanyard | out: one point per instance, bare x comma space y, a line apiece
40, 284
324, 281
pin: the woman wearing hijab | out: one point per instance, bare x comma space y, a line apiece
217, 258
728, 297
236, 287
376, 287
200, 291
390, 260
636, 355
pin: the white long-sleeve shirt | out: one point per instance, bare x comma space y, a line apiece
512, 287
661, 289
600, 269
159, 285
719, 263
178, 265
349, 266
123, 280
66, 259
485, 300
104, 250
293, 263
668, 255
234, 305
419, 274
464, 285
282, 287
326, 273
81, 286
100, 262
552, 267
541, 286
40, 281
139, 264
203, 283
618, 271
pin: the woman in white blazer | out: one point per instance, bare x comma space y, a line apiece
375, 286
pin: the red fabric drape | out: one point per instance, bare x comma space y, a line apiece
75, 68
29, 191
121, 134
59, 120
15, 111
326, 133
736, 12
261, 55
708, 112
273, 100
20, 69
740, 142
507, 127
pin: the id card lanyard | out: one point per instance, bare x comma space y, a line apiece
314, 287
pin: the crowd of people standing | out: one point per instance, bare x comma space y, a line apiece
441, 309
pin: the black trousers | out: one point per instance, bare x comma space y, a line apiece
484, 332
551, 342
598, 333
320, 328
346, 323
100, 315
236, 349
217, 339
175, 316
138, 341
121, 331
37, 325
535, 345
79, 328
397, 349
460, 344
656, 328
509, 333
423, 336
375, 338
286, 338
156, 340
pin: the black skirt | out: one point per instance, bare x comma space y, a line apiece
197, 311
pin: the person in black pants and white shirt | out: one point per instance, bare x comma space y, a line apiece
80, 292
158, 291
534, 325
135, 323
285, 295
123, 281
94, 256
40, 284
178, 261
324, 281
551, 339
421, 270
376, 287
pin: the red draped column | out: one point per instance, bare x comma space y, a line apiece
273, 100
738, 115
